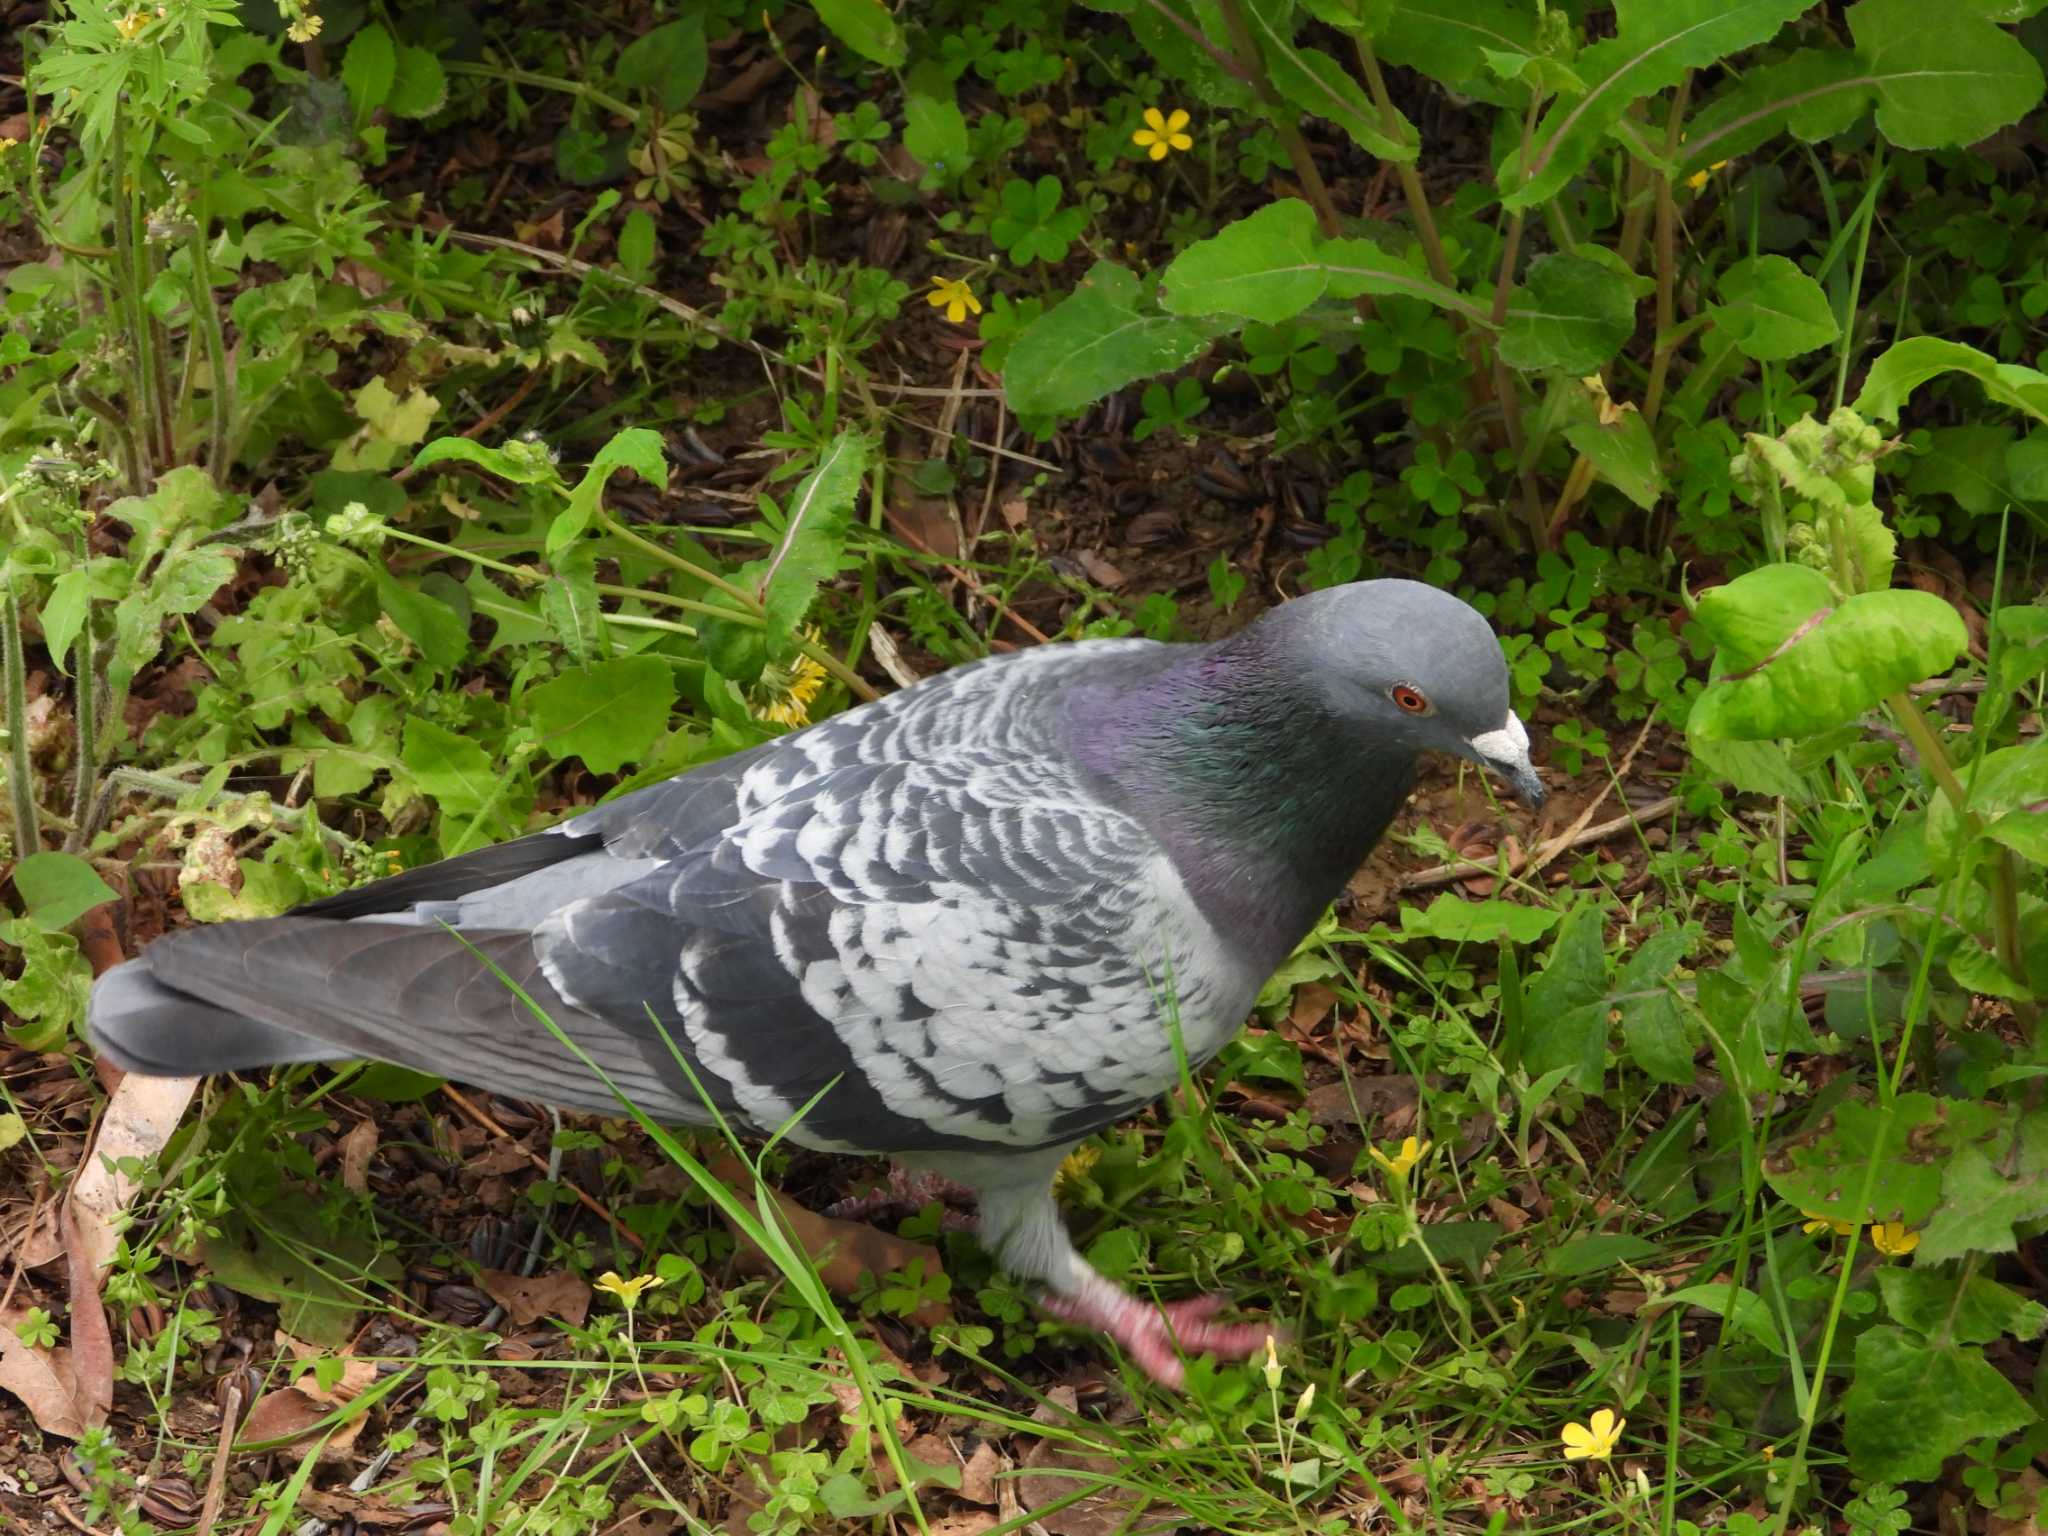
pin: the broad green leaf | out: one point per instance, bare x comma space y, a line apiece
1901, 1149
13, 1131
57, 889
636, 245
1752, 617
1448, 40
420, 86
636, 448
1452, 1245
934, 129
1656, 42
1653, 1021
1567, 1019
369, 67
452, 771
867, 27
568, 602
2026, 472
1981, 1203
392, 423
1943, 77
1597, 1253
64, 612
1904, 366
608, 714
1772, 311
1737, 1305
1477, 922
1831, 667
1094, 342
668, 62
441, 633
314, 1271
1753, 767
1815, 94
1927, 1301
1572, 314
522, 463
1359, 266
1263, 267
813, 540
1316, 83
1912, 1405
1969, 464
1622, 448
1181, 56
2008, 787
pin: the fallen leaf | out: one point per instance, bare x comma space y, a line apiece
357, 1148
1332, 1103
1312, 1004
355, 1379
525, 1301
1100, 571
288, 1414
92, 1343
1050, 1476
2030, 1484
42, 1378
964, 1525
34, 1242
978, 1476
141, 1115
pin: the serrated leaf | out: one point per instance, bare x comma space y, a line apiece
451, 770
1981, 1203
1656, 42
1313, 81
1912, 1405
1566, 1014
1949, 1308
813, 542
369, 68
1904, 366
867, 27
519, 462
1180, 56
568, 601
1094, 342
1897, 1152
1572, 314
1943, 77
1459, 921
439, 631
57, 889
1773, 311
608, 714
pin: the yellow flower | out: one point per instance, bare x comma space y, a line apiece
305, 29
953, 296
1398, 1165
1272, 1365
1815, 1222
1595, 1442
784, 694
628, 1291
130, 26
1074, 1167
1163, 133
1891, 1239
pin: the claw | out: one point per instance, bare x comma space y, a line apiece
1156, 1337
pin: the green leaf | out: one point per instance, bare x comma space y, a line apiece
441, 633
636, 448
1943, 76
369, 68
1158, 31
521, 463
1448, 40
1653, 1021
13, 1131
420, 86
1477, 922
608, 714
1094, 342
1739, 1306
1359, 266
1902, 1149
1911, 1405
1572, 315
1753, 767
1751, 617
668, 62
2006, 788
1904, 366
1263, 267
636, 245
1772, 311
1927, 1301
568, 602
813, 541
64, 613
1981, 1204
313, 1272
1622, 448
1313, 81
1567, 1019
867, 28
934, 129
1656, 42
57, 889
1815, 94
453, 771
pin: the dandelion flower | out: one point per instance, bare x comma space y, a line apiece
305, 29
130, 26
953, 296
1163, 133
1402, 1161
1891, 1239
1815, 1222
1595, 1441
628, 1291
1074, 1167
785, 694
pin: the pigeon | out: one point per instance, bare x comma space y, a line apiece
976, 921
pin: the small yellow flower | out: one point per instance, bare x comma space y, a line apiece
1398, 1165
953, 296
784, 694
1815, 1222
305, 29
1305, 1402
1074, 1167
1593, 1442
1891, 1239
628, 1291
1272, 1365
1163, 133
130, 26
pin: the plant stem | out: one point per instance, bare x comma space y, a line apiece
28, 836
85, 701
207, 318
1280, 116
124, 436
1667, 259
669, 557
127, 279
589, 93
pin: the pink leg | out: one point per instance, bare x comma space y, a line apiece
910, 1189
1149, 1334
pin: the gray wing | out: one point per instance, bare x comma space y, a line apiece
916, 903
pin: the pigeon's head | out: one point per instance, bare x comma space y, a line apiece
1411, 665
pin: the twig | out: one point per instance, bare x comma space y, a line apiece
456, 1097
1579, 836
217, 1477
64, 1513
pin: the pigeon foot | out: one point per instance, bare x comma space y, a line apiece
1149, 1334
910, 1189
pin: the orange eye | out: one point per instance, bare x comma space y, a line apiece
1410, 699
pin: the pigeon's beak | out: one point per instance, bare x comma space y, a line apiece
1506, 752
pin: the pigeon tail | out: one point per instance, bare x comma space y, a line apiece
143, 1026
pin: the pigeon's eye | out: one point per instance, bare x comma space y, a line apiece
1410, 699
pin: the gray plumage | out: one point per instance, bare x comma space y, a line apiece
970, 908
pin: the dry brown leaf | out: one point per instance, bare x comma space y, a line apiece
527, 1301
355, 1379
1312, 1004
1100, 571
978, 1476
1050, 1476
357, 1148
92, 1343
972, 1524
1332, 1103
33, 1240
2030, 1485
289, 1415
642, 1522
140, 1116
42, 1378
